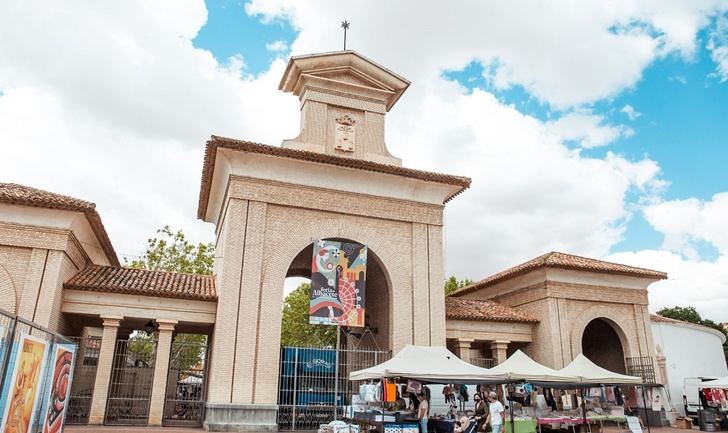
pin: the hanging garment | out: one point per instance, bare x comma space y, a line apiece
390, 391
609, 392
632, 397
414, 386
618, 396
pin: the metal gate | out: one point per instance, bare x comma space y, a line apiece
314, 385
132, 374
84, 379
641, 366
186, 382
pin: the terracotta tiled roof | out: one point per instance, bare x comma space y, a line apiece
22, 195
116, 279
564, 261
663, 319
482, 310
216, 142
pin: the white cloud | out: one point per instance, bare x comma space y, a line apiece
113, 104
588, 129
630, 112
277, 46
693, 279
686, 222
698, 283
718, 47
562, 52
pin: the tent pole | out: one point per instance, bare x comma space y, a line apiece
647, 417
510, 407
583, 406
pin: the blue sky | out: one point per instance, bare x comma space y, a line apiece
536, 192
682, 108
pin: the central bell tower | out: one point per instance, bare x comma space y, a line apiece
344, 98
335, 180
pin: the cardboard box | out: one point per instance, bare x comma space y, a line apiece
684, 423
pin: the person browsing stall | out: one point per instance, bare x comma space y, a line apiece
496, 413
422, 412
481, 412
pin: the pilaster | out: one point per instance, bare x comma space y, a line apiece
499, 349
103, 369
462, 346
161, 371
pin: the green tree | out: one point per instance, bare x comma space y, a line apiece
295, 329
686, 314
171, 251
690, 314
452, 284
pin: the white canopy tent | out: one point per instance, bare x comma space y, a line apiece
588, 372
717, 383
428, 364
520, 367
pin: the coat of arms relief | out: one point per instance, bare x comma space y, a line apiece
344, 139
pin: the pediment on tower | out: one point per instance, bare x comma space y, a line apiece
344, 99
347, 72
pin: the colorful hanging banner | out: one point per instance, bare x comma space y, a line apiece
338, 280
24, 392
60, 388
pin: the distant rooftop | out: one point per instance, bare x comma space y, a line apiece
129, 281
483, 310
564, 261
21, 195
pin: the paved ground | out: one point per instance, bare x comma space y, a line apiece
117, 429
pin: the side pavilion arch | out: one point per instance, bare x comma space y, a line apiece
336, 179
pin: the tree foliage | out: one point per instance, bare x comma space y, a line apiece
171, 251
295, 329
452, 284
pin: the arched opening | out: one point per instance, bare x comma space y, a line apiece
313, 385
375, 335
601, 344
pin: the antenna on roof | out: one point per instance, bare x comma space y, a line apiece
345, 26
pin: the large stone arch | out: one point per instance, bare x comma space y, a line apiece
599, 312
288, 232
378, 289
8, 295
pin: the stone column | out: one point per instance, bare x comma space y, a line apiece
103, 369
662, 369
498, 348
462, 346
161, 371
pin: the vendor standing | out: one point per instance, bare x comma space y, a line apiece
481, 412
496, 413
422, 412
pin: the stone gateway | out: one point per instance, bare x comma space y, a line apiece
335, 181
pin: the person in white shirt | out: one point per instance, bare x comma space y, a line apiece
495, 415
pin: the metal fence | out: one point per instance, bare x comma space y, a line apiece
186, 382
483, 362
33, 363
314, 384
84, 378
643, 367
132, 374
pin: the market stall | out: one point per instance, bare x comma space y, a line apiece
713, 396
526, 418
594, 380
409, 371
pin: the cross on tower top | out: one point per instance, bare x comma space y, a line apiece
345, 26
